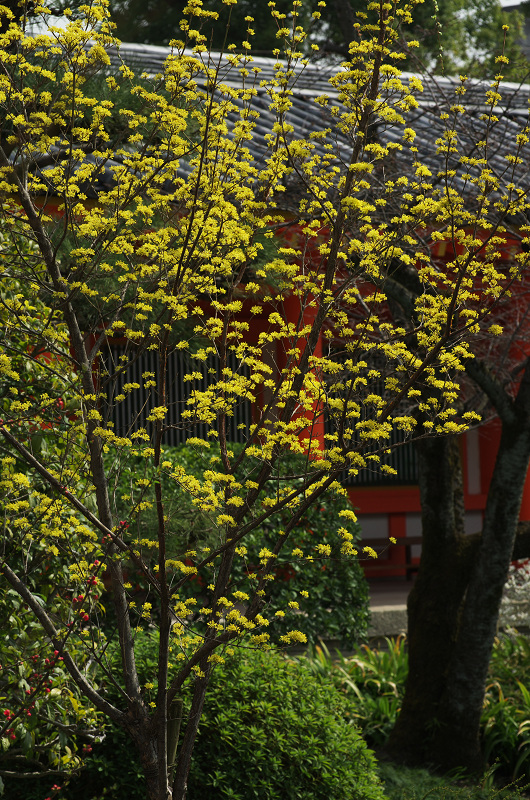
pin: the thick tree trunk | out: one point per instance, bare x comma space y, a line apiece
454, 605
457, 736
435, 600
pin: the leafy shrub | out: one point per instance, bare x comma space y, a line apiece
269, 730
336, 604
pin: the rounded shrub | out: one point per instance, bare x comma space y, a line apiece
271, 729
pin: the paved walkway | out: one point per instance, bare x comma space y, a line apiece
388, 606
391, 592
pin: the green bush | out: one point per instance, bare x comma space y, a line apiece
272, 730
269, 730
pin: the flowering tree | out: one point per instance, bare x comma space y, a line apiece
151, 250
46, 722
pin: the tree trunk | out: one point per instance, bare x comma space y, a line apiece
180, 784
435, 600
145, 741
454, 605
457, 736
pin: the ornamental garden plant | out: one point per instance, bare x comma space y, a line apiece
144, 242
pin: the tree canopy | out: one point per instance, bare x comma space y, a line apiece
454, 36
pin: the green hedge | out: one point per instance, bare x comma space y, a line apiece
270, 729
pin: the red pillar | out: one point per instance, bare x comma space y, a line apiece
298, 316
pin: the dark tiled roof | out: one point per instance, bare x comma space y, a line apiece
307, 116
437, 99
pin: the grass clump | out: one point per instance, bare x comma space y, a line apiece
406, 783
373, 681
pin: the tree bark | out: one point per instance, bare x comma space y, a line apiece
435, 600
457, 736
454, 605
